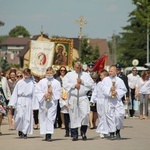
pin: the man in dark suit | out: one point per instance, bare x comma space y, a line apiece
125, 79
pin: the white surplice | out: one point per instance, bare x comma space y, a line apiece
115, 112
63, 104
102, 107
48, 109
78, 111
23, 99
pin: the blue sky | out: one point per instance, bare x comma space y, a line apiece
58, 17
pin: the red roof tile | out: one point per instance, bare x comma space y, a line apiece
20, 41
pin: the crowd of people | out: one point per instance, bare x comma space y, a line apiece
72, 100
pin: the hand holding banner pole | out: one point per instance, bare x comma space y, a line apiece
78, 82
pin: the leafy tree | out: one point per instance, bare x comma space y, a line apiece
4, 64
2, 38
95, 54
143, 11
19, 31
133, 41
88, 53
85, 50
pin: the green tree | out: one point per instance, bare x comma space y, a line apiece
88, 53
133, 42
4, 64
2, 38
19, 31
143, 11
95, 53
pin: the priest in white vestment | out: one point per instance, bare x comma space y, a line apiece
48, 92
114, 89
77, 83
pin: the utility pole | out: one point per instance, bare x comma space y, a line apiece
81, 21
114, 48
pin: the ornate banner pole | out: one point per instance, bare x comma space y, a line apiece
80, 22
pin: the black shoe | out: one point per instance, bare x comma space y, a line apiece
118, 137
84, 138
75, 139
112, 136
20, 133
66, 135
25, 136
48, 138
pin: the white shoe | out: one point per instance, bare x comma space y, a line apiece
101, 135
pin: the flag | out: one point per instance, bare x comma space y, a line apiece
100, 63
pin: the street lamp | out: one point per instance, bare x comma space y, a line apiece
80, 22
147, 33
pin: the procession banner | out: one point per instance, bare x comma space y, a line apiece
100, 63
63, 53
41, 57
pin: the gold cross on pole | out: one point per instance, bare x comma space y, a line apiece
81, 21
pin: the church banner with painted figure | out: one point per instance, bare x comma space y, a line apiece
63, 52
41, 57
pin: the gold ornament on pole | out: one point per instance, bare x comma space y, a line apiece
113, 94
49, 90
81, 21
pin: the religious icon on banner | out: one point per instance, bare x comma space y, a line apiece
41, 57
63, 52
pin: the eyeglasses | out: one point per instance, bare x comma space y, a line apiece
62, 70
19, 76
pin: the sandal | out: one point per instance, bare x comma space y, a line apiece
145, 117
141, 117
35, 127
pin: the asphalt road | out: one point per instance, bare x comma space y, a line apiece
135, 136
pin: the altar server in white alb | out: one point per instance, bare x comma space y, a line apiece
114, 89
102, 105
48, 92
77, 83
23, 100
